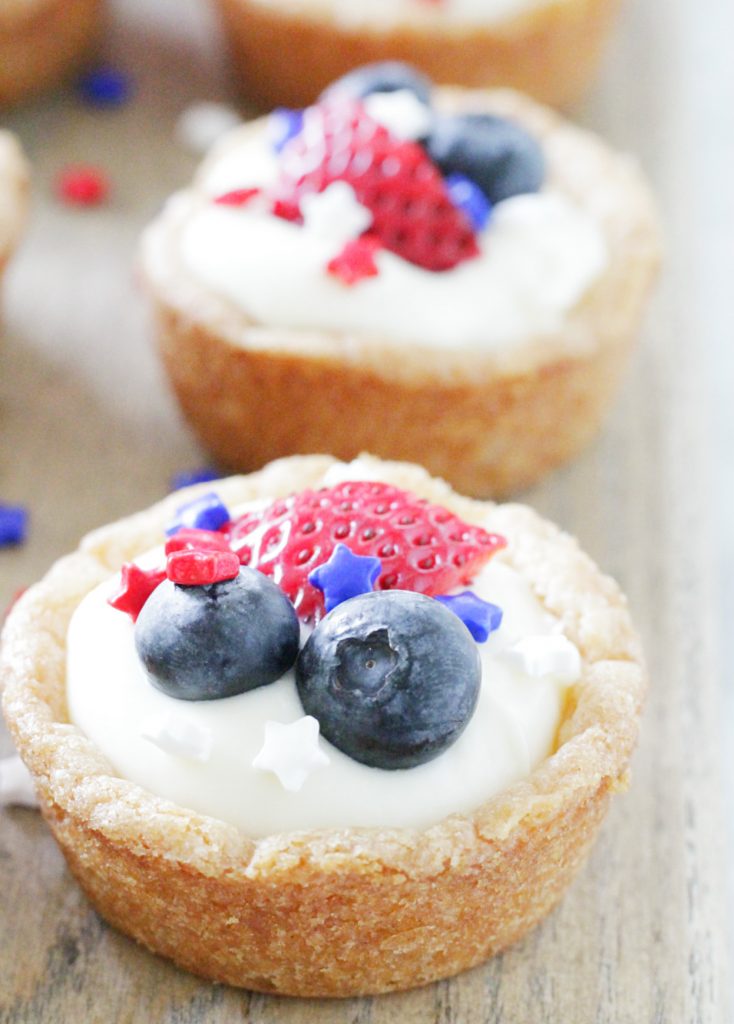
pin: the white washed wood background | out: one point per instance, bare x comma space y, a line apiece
87, 433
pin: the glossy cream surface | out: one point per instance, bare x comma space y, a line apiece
110, 699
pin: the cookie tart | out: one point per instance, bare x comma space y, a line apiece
446, 277
41, 41
347, 732
286, 51
13, 195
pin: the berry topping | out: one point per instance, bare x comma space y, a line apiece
412, 212
136, 586
345, 575
393, 678
207, 642
386, 76
422, 547
205, 513
192, 568
480, 617
499, 155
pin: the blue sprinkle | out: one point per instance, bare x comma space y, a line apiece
469, 198
480, 617
284, 125
205, 513
105, 87
345, 575
13, 525
189, 477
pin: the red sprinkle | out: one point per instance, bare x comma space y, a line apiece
192, 539
238, 197
199, 568
82, 185
136, 587
356, 261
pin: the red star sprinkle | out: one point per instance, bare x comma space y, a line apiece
356, 261
193, 539
80, 185
237, 197
136, 586
201, 568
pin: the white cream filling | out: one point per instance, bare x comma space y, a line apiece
390, 13
539, 256
112, 701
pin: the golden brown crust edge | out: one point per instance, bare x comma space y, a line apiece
40, 46
333, 912
14, 186
551, 52
490, 423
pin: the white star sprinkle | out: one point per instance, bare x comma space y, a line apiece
401, 112
16, 784
552, 655
291, 752
335, 213
176, 735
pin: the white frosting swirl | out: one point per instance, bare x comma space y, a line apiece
112, 701
539, 255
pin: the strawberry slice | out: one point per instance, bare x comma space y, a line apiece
413, 214
422, 547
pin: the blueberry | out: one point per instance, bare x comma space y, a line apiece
387, 76
392, 676
499, 155
206, 642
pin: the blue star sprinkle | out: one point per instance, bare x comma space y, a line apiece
205, 513
284, 125
469, 198
480, 617
345, 575
105, 87
13, 525
188, 477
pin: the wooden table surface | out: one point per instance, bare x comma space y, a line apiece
88, 433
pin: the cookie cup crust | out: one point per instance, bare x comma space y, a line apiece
41, 42
286, 57
343, 911
490, 422
14, 189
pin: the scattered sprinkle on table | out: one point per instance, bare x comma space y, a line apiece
105, 87
82, 185
13, 525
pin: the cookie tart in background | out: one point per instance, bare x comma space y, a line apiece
287, 51
13, 195
447, 277
41, 41
326, 730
